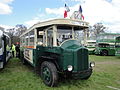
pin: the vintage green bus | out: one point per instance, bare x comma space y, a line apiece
52, 49
105, 44
117, 46
91, 46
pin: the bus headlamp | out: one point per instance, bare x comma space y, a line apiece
92, 64
70, 67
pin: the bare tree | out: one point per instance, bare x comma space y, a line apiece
15, 32
98, 28
20, 28
11, 33
90, 33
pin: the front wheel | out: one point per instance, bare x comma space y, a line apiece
23, 61
49, 74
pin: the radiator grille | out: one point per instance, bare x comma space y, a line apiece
82, 59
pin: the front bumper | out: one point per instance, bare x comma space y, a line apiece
82, 74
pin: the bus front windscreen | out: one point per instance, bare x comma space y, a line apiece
117, 44
63, 33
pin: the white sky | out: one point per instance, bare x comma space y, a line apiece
5, 7
94, 11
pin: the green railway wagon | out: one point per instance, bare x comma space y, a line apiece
52, 49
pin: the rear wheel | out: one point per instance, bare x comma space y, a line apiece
23, 61
49, 73
104, 53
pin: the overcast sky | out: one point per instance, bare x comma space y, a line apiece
29, 12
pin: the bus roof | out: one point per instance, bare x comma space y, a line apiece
108, 34
1, 28
118, 37
1, 32
65, 22
91, 41
6, 35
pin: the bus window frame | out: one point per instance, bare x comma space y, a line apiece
1, 41
46, 36
27, 39
40, 41
31, 36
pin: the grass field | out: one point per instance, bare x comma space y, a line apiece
106, 76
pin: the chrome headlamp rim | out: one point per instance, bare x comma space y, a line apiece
70, 67
92, 64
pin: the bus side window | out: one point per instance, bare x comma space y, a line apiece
23, 41
31, 38
26, 39
40, 37
50, 38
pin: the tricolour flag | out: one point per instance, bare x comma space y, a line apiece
66, 10
80, 11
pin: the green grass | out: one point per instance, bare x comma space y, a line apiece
16, 76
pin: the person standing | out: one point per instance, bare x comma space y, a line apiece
13, 50
17, 50
7, 49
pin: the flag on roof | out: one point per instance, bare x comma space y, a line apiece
80, 11
65, 14
82, 16
66, 10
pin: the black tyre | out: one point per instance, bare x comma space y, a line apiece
24, 62
49, 74
104, 53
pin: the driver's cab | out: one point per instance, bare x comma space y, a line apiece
56, 35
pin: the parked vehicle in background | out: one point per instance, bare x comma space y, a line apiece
105, 44
5, 43
52, 49
117, 46
91, 46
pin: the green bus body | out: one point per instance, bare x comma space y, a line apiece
68, 59
64, 56
91, 46
104, 49
91, 50
117, 46
106, 44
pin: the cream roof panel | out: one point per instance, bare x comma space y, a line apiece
62, 22
77, 23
